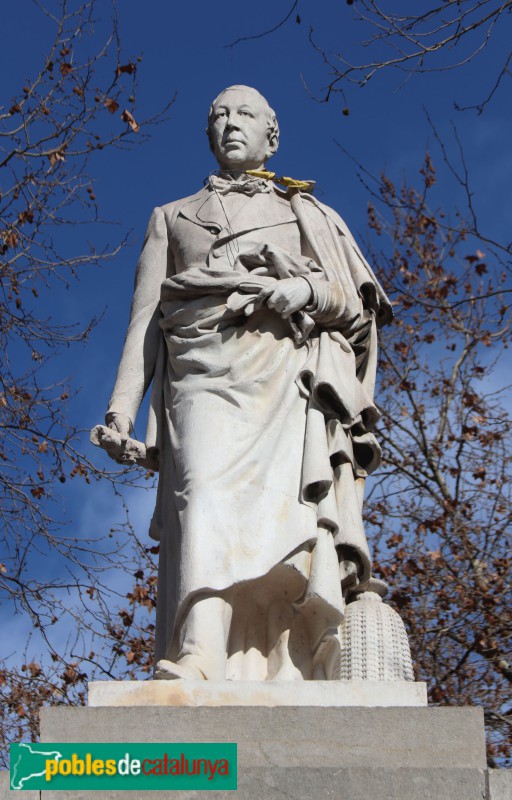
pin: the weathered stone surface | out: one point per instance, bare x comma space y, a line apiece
6, 794
257, 693
305, 783
291, 737
500, 784
303, 753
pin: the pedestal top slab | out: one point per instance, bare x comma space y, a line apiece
257, 693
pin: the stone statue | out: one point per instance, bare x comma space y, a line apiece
254, 322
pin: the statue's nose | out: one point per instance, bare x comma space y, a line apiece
232, 121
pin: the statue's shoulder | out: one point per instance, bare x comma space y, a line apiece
329, 212
363, 275
171, 209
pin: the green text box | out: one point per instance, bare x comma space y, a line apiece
105, 766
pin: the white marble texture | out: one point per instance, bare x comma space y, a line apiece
257, 693
253, 327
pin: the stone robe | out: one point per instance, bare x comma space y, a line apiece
263, 426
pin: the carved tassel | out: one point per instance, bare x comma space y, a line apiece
374, 643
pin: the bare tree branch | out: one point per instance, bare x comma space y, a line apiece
271, 30
445, 37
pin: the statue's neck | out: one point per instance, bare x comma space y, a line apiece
231, 174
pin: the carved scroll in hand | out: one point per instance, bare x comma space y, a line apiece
124, 451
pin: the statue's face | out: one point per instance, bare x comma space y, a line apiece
239, 130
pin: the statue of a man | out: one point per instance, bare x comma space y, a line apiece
254, 318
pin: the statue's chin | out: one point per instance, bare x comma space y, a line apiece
237, 163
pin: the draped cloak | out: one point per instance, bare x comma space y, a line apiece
262, 426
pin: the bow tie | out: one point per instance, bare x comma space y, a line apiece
245, 184
254, 181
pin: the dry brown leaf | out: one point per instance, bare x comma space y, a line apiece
111, 104
127, 68
126, 116
56, 156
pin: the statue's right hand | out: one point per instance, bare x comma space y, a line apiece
120, 423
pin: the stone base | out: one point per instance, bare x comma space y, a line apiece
257, 693
302, 752
291, 737
355, 753
306, 783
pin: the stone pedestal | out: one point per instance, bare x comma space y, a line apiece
302, 751
284, 738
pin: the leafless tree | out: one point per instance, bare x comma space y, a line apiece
80, 102
440, 36
439, 512
443, 35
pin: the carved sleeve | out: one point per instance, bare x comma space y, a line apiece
327, 304
140, 349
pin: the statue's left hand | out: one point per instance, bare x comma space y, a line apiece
287, 295
120, 423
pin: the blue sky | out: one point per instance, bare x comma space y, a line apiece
184, 53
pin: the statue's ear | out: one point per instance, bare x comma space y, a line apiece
273, 144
